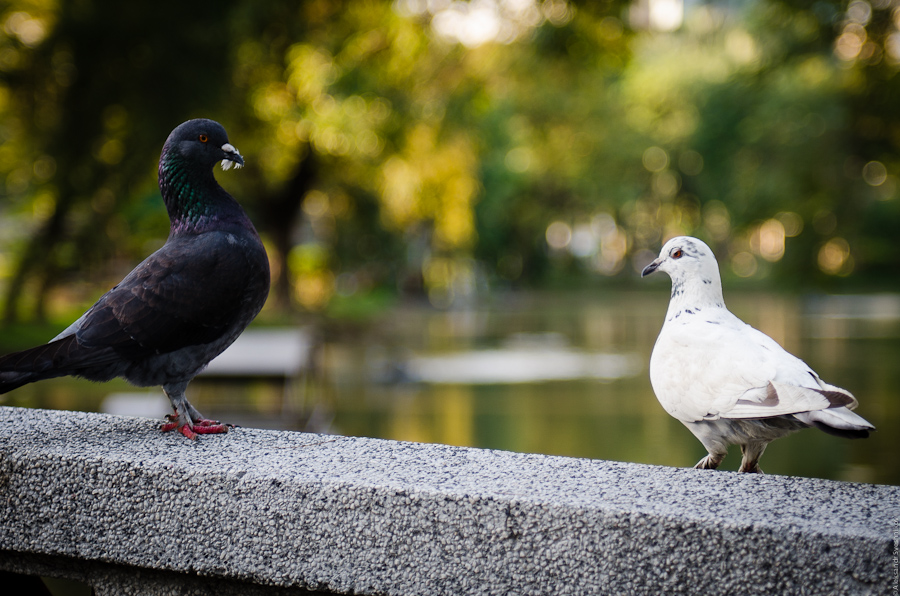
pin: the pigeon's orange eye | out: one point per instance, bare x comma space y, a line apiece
203, 138
677, 254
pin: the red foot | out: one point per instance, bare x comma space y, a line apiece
172, 423
213, 428
201, 427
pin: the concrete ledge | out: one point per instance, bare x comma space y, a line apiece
108, 579
366, 516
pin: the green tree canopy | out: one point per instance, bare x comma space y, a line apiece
435, 150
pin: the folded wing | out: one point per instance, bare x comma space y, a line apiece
727, 369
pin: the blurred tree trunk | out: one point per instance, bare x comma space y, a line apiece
279, 212
100, 95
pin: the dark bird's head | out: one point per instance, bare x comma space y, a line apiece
193, 198
199, 144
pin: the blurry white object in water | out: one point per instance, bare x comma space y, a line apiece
521, 365
263, 352
726, 381
147, 404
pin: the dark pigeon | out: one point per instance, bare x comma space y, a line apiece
183, 305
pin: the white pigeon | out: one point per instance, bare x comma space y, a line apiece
729, 383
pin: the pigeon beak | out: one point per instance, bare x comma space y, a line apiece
232, 157
651, 267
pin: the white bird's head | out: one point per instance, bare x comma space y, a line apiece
693, 268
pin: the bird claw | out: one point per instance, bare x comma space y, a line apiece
188, 432
213, 427
201, 426
709, 462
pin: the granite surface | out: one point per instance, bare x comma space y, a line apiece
366, 516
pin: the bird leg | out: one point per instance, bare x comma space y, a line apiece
751, 453
710, 462
186, 419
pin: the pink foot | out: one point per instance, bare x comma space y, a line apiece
202, 426
172, 423
209, 427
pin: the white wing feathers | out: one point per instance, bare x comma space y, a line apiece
783, 398
723, 368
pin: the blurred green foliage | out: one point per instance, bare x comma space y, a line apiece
441, 148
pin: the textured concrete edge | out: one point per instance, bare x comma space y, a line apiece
354, 515
109, 579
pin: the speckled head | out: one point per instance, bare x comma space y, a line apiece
692, 266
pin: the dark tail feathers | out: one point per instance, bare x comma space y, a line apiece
844, 433
35, 364
840, 422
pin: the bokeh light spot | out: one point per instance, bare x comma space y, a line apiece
792, 223
744, 264
834, 257
771, 240
874, 173
690, 162
655, 159
558, 235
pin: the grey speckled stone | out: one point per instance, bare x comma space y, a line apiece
366, 516
108, 579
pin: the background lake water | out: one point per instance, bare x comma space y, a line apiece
548, 373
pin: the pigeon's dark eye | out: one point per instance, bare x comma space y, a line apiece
677, 254
203, 138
